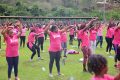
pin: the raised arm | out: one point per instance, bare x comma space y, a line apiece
48, 26
19, 24
4, 31
89, 23
66, 28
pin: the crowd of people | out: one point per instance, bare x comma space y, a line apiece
89, 34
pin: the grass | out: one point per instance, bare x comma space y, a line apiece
33, 70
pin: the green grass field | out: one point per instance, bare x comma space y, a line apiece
33, 70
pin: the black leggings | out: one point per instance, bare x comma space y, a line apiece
22, 41
40, 42
109, 44
33, 49
56, 56
71, 39
99, 40
79, 40
45, 36
12, 62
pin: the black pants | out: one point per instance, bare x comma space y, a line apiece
109, 44
33, 49
71, 39
40, 42
22, 41
79, 40
45, 36
56, 56
99, 40
12, 62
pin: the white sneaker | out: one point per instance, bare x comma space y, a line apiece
30, 60
50, 75
39, 58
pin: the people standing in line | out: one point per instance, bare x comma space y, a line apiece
12, 48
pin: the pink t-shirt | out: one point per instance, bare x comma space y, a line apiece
55, 41
106, 77
12, 46
63, 37
116, 39
79, 34
23, 32
31, 39
110, 32
85, 39
100, 31
93, 34
71, 31
41, 31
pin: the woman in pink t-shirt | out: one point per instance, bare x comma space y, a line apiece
100, 34
12, 47
79, 35
116, 42
71, 35
31, 44
55, 46
64, 41
97, 64
23, 36
85, 46
92, 37
109, 37
40, 37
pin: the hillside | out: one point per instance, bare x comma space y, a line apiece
54, 8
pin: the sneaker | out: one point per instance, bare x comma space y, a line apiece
59, 74
50, 75
9, 79
39, 58
17, 78
30, 60
65, 56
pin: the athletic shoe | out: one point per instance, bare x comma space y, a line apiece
9, 79
65, 56
39, 58
17, 78
50, 75
59, 74
30, 60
